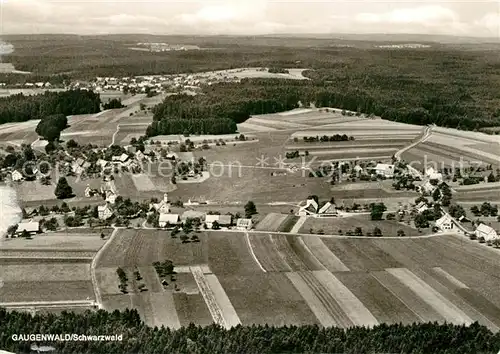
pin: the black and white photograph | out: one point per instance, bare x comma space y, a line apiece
249, 176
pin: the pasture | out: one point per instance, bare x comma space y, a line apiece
332, 226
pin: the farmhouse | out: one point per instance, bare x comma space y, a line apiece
222, 220
445, 222
110, 197
102, 163
421, 207
427, 188
168, 219
327, 210
139, 156
104, 212
122, 158
310, 208
432, 174
16, 176
386, 170
486, 232
162, 207
244, 224
32, 227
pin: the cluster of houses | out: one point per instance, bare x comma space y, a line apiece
166, 218
311, 208
482, 231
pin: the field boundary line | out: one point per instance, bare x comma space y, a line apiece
396, 296
295, 229
208, 296
93, 265
306, 247
247, 236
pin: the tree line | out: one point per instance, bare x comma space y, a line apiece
139, 338
21, 108
236, 102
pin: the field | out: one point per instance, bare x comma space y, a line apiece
285, 279
332, 226
455, 148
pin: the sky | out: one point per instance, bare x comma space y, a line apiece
250, 17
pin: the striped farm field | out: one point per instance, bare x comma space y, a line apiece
286, 279
271, 222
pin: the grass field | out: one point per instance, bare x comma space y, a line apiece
333, 225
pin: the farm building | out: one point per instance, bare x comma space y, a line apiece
110, 197
310, 208
427, 187
32, 227
17, 176
102, 163
385, 170
162, 207
222, 220
104, 212
486, 232
432, 174
168, 219
122, 158
327, 210
421, 207
193, 214
244, 224
445, 223
139, 156
90, 192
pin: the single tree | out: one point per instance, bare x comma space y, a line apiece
250, 209
63, 189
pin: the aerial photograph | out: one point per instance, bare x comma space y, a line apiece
249, 176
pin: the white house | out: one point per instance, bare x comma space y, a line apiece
17, 176
328, 209
445, 223
358, 169
432, 174
31, 227
310, 208
385, 170
162, 207
244, 224
222, 220
427, 187
110, 197
168, 219
102, 163
104, 212
421, 207
487, 232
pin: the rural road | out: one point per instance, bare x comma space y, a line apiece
97, 291
423, 138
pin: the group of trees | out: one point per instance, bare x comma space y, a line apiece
20, 108
326, 138
277, 70
486, 209
113, 103
50, 127
137, 337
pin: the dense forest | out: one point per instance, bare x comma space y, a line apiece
20, 108
238, 101
447, 85
138, 338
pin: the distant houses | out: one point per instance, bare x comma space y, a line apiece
432, 174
